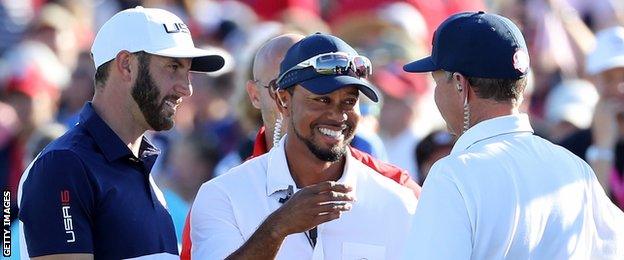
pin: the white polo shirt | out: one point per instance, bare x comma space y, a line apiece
504, 193
229, 208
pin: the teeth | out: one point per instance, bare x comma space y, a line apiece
330, 132
170, 103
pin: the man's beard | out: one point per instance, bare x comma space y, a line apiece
145, 94
334, 153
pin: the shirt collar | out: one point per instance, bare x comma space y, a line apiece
492, 127
349, 176
148, 153
278, 174
109, 142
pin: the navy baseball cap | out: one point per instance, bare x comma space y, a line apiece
309, 47
477, 44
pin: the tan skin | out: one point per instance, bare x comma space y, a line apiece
114, 103
307, 110
450, 95
308, 207
265, 69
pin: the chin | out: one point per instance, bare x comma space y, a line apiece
164, 125
168, 127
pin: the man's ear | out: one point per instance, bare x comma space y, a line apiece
282, 101
462, 86
123, 64
253, 93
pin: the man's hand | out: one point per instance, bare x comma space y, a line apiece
306, 209
310, 207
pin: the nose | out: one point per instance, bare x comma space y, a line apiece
184, 88
620, 89
338, 114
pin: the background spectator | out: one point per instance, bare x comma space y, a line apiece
434, 146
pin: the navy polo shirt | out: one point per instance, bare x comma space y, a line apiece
87, 193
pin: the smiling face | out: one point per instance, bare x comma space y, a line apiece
325, 124
158, 90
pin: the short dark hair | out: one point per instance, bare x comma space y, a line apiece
101, 73
501, 90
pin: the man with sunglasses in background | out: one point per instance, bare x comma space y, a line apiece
308, 198
261, 91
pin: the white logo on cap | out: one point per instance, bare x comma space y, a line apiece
521, 61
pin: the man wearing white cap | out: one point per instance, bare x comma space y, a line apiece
89, 194
602, 146
569, 108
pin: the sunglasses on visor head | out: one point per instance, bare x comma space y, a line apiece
335, 63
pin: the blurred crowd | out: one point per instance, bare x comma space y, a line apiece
46, 76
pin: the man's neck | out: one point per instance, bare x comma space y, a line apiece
484, 109
268, 137
306, 169
121, 122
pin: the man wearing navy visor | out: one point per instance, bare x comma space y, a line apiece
503, 192
89, 194
307, 198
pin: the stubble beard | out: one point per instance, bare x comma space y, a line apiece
334, 153
145, 93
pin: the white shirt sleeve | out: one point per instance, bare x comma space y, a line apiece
441, 227
609, 221
214, 233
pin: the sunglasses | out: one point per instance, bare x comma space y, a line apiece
272, 84
335, 63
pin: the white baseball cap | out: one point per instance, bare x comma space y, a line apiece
572, 101
608, 52
154, 31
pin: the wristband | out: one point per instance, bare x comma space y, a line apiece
595, 153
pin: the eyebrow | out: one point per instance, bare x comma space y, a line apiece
355, 92
178, 61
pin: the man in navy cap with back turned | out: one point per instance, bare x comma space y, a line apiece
308, 197
503, 192
90, 194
